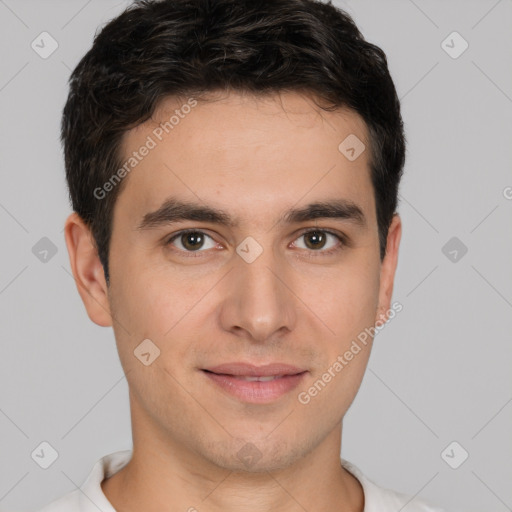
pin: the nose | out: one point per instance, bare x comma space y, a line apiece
259, 303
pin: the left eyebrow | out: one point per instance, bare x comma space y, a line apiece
341, 209
174, 210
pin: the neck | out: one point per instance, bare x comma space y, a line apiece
155, 482
164, 475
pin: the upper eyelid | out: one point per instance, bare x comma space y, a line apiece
335, 233
171, 238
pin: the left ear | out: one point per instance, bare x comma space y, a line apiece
388, 268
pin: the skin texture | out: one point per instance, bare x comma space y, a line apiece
253, 157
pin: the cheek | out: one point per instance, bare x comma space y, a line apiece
348, 300
168, 310
150, 302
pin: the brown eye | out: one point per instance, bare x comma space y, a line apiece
320, 241
191, 241
315, 239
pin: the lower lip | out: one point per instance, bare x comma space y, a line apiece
258, 392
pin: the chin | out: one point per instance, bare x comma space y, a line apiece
254, 456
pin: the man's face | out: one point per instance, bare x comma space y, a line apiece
261, 290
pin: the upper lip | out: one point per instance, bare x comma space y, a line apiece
248, 369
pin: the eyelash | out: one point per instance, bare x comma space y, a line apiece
312, 253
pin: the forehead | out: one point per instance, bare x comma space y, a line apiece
244, 152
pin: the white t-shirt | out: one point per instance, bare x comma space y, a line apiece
90, 497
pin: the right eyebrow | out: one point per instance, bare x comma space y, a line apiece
173, 210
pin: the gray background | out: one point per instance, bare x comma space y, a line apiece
440, 371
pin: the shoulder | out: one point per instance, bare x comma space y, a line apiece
380, 499
68, 503
90, 497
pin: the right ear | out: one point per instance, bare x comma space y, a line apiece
87, 270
